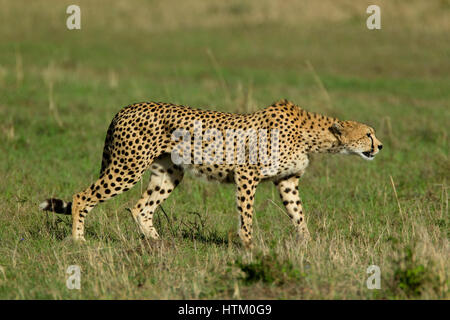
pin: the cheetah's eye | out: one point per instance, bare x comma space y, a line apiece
368, 135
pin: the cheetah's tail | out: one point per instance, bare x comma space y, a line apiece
57, 206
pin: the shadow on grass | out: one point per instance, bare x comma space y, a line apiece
60, 228
196, 227
57, 227
210, 237
193, 227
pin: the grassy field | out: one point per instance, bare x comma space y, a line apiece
59, 89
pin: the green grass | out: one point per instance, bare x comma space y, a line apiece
226, 57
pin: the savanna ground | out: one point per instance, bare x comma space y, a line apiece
59, 89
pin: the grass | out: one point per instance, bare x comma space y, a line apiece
59, 90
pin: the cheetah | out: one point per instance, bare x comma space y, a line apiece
148, 136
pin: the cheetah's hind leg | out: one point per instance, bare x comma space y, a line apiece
164, 179
107, 186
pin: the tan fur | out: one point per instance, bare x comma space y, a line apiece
140, 138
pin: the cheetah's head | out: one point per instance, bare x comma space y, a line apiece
356, 138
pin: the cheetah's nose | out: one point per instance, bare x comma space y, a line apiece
380, 147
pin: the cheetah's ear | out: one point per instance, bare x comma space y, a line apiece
337, 128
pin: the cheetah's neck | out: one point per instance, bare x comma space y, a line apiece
315, 133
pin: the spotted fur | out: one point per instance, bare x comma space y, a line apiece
139, 138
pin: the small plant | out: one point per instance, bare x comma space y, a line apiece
269, 269
410, 276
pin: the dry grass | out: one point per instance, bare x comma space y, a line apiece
158, 16
59, 90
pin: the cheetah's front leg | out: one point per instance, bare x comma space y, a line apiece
246, 183
291, 200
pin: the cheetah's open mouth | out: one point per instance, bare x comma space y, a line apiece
367, 155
